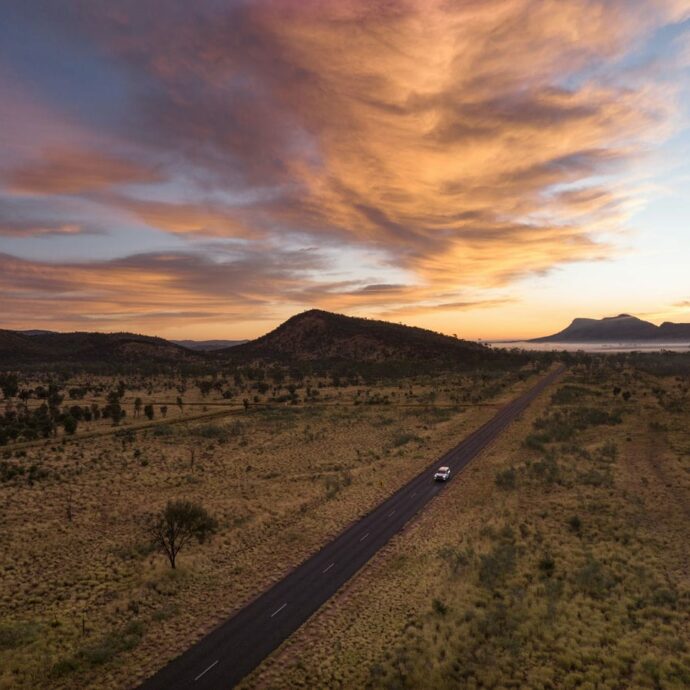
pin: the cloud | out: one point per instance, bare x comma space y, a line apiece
24, 217
469, 144
200, 219
73, 172
467, 305
28, 229
162, 286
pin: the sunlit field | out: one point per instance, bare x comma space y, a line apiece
85, 599
559, 559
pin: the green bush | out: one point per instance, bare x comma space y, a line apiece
575, 524
219, 432
547, 566
562, 425
592, 579
545, 470
113, 644
439, 607
163, 430
13, 635
496, 565
506, 479
404, 438
569, 394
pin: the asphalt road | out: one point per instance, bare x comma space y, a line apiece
236, 647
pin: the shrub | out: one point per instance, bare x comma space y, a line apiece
593, 579
455, 558
568, 394
506, 479
547, 566
609, 451
13, 635
70, 424
563, 425
404, 438
496, 565
165, 612
545, 470
533, 442
163, 430
439, 607
112, 644
595, 477
212, 431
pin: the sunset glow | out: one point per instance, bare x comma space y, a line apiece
489, 168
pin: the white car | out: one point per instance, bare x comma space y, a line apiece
442, 474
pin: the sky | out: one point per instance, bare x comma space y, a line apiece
485, 168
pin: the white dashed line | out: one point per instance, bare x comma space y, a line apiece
329, 567
206, 670
365, 536
278, 610
391, 513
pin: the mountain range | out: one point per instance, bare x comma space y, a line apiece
313, 335
616, 329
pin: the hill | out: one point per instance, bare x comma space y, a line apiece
321, 335
316, 337
674, 331
616, 329
17, 348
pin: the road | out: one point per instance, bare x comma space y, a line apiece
236, 647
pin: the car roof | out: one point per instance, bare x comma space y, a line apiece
444, 469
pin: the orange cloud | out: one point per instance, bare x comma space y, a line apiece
8, 229
66, 171
204, 219
466, 143
158, 289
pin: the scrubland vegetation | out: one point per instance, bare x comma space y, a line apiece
279, 463
559, 559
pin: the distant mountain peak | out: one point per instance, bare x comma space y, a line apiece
621, 328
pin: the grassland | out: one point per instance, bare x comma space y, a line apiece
85, 602
559, 559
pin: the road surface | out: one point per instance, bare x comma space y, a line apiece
236, 647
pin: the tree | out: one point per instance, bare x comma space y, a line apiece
148, 411
179, 523
70, 424
205, 387
137, 406
10, 385
114, 411
164, 411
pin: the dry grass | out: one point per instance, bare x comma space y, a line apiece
560, 567
83, 600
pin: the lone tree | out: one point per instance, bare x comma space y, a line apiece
179, 523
